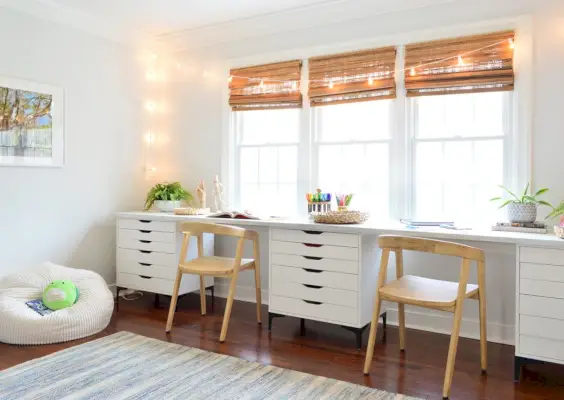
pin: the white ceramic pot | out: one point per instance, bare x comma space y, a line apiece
517, 212
167, 205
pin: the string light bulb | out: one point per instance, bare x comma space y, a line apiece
371, 81
460, 61
230, 79
330, 84
511, 43
150, 138
261, 84
412, 71
150, 106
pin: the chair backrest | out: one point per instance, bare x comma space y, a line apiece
198, 228
397, 243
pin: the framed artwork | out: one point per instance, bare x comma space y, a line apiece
31, 124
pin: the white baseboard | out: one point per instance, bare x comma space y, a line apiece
415, 319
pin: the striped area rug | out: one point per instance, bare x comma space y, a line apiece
129, 366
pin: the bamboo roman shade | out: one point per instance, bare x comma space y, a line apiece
352, 77
268, 86
481, 63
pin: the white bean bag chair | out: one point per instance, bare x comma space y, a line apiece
19, 324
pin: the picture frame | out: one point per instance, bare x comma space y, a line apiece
31, 124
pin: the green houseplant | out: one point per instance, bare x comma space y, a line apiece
558, 211
522, 208
167, 196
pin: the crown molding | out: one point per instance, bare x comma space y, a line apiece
309, 17
93, 24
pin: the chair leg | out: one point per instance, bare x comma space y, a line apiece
228, 307
173, 301
202, 295
259, 296
372, 337
483, 335
401, 316
452, 349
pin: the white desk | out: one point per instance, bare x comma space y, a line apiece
348, 258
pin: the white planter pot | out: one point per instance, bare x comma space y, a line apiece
521, 212
167, 205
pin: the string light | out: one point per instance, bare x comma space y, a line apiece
330, 84
511, 43
150, 138
412, 71
150, 106
150, 75
370, 81
230, 79
261, 84
460, 61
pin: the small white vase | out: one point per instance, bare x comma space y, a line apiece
517, 212
167, 205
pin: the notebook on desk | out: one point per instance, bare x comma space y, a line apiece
232, 214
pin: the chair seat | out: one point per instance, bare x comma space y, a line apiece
416, 290
215, 266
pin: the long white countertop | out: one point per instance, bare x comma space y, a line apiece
372, 227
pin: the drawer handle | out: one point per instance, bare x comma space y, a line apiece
145, 251
145, 241
313, 302
312, 286
312, 232
145, 231
315, 271
312, 245
144, 221
313, 258
145, 277
145, 264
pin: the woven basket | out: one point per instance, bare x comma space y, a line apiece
341, 217
559, 231
191, 211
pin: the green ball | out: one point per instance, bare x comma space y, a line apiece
60, 294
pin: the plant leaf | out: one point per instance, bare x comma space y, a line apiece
526, 189
541, 191
495, 198
506, 203
545, 203
511, 193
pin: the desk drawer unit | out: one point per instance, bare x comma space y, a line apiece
540, 320
147, 256
317, 275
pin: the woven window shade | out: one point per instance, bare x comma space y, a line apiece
432, 68
352, 77
280, 87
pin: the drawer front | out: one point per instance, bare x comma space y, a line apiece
541, 327
317, 250
341, 297
321, 312
153, 258
333, 280
541, 347
542, 272
152, 236
542, 288
147, 225
315, 237
541, 256
319, 263
146, 269
541, 306
146, 245
153, 285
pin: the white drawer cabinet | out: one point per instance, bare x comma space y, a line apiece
540, 305
147, 256
324, 276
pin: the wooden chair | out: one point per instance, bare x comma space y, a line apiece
430, 293
216, 266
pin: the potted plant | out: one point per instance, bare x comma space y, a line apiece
166, 196
523, 208
558, 212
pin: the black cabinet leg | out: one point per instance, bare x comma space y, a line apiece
384, 319
519, 363
157, 301
358, 334
271, 316
302, 327
117, 297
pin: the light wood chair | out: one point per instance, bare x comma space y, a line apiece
430, 293
216, 266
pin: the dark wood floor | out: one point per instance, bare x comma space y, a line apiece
328, 350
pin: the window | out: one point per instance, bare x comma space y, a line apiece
351, 152
460, 154
266, 164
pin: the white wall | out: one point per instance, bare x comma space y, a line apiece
65, 214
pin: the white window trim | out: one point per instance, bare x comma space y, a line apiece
400, 150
